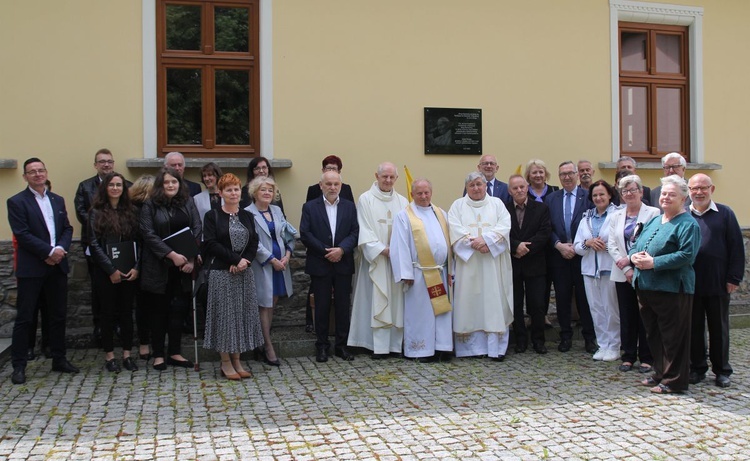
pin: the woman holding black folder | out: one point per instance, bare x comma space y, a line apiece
113, 227
166, 272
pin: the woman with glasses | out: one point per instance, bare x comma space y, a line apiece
663, 256
259, 167
624, 224
112, 221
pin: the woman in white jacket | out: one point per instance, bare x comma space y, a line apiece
596, 266
624, 226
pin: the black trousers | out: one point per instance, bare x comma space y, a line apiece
632, 332
41, 310
715, 310
53, 287
568, 281
115, 302
342, 287
666, 317
533, 289
142, 316
167, 314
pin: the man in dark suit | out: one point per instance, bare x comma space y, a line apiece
104, 164
177, 161
566, 207
495, 188
330, 232
39, 221
330, 163
529, 234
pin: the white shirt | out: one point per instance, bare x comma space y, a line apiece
332, 212
49, 216
711, 206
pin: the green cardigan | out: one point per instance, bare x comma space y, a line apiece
674, 246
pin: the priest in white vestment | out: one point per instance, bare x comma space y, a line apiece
428, 331
378, 308
483, 288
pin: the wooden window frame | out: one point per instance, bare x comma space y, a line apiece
208, 60
652, 80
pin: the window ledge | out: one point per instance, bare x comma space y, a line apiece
135, 163
8, 163
657, 166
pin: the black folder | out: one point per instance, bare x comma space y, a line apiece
123, 255
183, 242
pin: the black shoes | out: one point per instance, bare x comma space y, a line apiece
63, 366
723, 381
112, 366
539, 348
380, 356
695, 377
30, 355
591, 346
499, 358
160, 366
322, 355
309, 329
18, 376
179, 363
273, 363
565, 345
521, 348
129, 364
344, 354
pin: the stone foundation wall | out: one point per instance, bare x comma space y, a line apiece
289, 312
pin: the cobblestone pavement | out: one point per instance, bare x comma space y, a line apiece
558, 406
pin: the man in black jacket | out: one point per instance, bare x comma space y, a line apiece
529, 235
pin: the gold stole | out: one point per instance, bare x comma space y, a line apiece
434, 281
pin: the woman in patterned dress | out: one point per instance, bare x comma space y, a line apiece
229, 246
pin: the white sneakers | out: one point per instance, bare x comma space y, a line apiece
607, 355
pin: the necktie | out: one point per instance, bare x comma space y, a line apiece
568, 213
520, 211
489, 188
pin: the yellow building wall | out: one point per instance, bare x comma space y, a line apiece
351, 77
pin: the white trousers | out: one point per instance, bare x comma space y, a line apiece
605, 311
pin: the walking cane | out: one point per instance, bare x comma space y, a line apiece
197, 366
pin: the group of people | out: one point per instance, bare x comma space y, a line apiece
643, 269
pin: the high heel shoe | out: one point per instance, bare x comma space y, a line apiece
267, 361
145, 357
231, 376
160, 366
243, 373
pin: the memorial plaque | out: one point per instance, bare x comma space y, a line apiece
452, 131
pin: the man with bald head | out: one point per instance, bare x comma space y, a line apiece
421, 259
378, 309
495, 188
719, 268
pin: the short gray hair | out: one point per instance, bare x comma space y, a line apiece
676, 181
173, 154
568, 162
624, 159
419, 180
384, 165
673, 155
631, 179
473, 176
258, 181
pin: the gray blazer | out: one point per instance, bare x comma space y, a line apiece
264, 272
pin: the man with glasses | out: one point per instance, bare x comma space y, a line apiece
104, 164
719, 269
39, 221
672, 163
495, 188
566, 207
176, 161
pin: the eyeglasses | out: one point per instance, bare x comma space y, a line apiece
672, 167
568, 174
260, 168
699, 188
115, 185
332, 168
487, 164
36, 172
629, 191
105, 162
